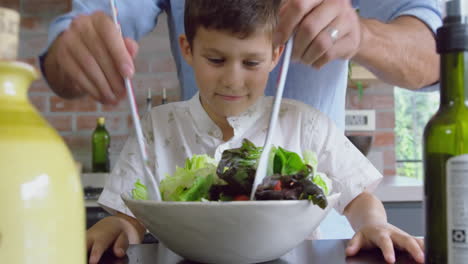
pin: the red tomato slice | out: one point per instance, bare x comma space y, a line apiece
241, 197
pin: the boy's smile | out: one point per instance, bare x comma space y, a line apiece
231, 72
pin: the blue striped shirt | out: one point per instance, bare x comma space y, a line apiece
324, 89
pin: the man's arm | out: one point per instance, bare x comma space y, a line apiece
87, 55
398, 47
402, 52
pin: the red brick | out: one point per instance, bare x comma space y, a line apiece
117, 143
62, 123
154, 44
13, 4
141, 83
42, 7
384, 139
39, 86
389, 158
143, 64
385, 120
32, 45
30, 23
78, 142
359, 133
370, 102
121, 107
113, 123
389, 172
58, 104
32, 61
39, 101
165, 64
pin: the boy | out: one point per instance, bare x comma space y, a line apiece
229, 45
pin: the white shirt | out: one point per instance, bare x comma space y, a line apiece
324, 88
176, 131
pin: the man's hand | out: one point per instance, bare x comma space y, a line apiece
386, 237
90, 58
325, 30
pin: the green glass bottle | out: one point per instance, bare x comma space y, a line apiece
101, 143
445, 146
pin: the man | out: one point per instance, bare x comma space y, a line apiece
392, 38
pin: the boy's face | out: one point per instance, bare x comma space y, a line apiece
231, 73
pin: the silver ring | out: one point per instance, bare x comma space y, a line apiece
333, 34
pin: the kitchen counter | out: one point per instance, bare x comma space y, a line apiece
400, 189
310, 251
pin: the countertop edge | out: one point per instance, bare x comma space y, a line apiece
400, 189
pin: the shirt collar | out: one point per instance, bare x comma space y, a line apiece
249, 118
239, 123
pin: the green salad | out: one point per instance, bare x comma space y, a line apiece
289, 177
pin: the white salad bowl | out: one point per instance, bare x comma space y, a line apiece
230, 232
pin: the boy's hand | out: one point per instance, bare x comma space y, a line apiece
90, 58
386, 237
113, 231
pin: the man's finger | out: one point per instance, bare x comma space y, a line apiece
107, 69
310, 27
87, 61
111, 36
354, 245
132, 47
121, 245
290, 15
77, 75
339, 50
321, 44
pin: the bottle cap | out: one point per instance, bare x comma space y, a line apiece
9, 28
101, 121
457, 8
453, 35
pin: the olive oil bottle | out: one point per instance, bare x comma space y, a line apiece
446, 146
101, 143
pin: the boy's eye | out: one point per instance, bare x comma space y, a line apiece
251, 63
215, 60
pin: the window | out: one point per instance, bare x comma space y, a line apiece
412, 112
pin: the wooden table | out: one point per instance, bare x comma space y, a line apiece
310, 251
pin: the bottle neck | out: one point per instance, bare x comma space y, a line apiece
454, 79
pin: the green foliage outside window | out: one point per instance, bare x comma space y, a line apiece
412, 112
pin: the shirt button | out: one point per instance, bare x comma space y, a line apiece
217, 134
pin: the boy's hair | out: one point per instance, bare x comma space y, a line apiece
240, 17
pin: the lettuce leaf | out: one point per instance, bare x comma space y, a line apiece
310, 158
322, 181
238, 166
140, 192
192, 182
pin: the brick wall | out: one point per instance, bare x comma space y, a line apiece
378, 96
75, 120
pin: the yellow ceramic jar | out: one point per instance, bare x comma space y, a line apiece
42, 216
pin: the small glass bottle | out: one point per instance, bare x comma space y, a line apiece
101, 143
